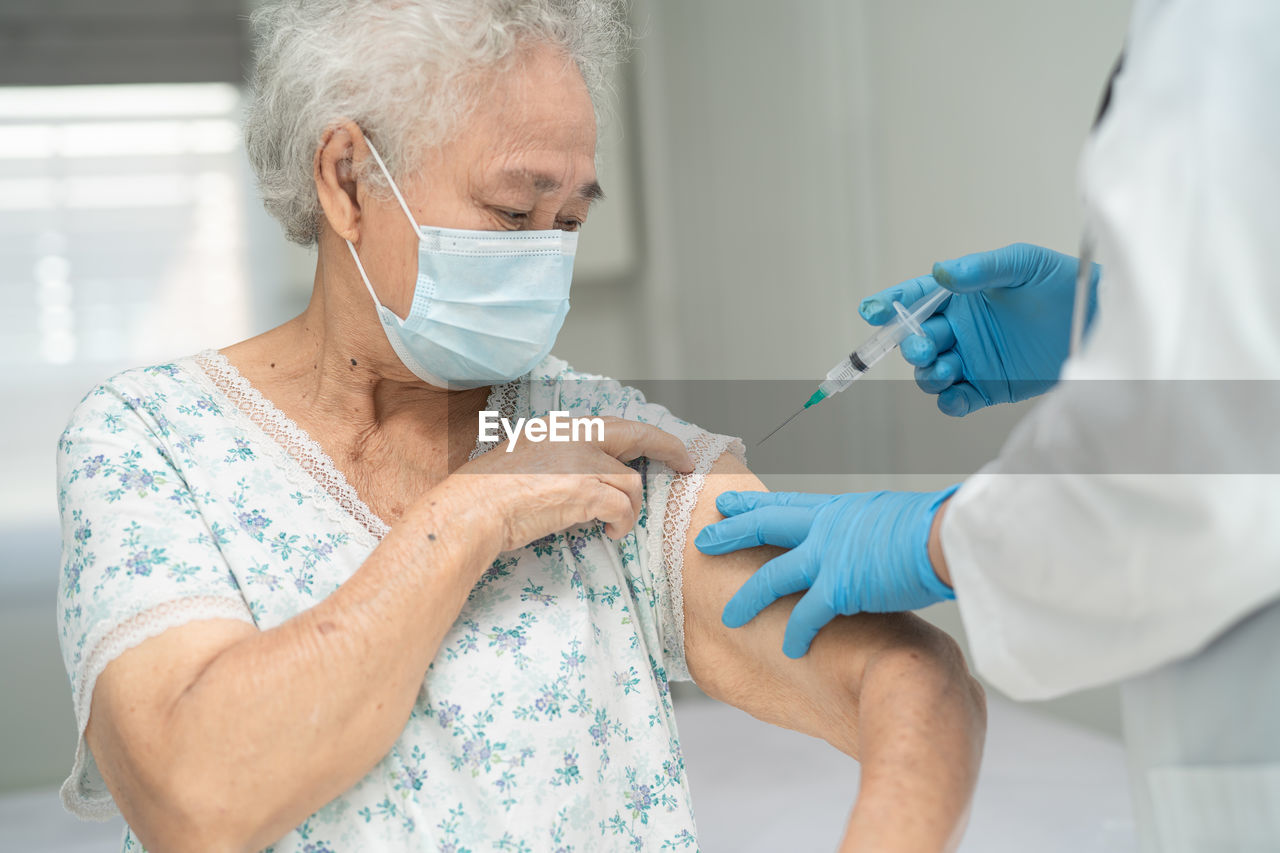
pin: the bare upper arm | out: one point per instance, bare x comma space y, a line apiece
132, 700
745, 667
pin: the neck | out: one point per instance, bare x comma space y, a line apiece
333, 369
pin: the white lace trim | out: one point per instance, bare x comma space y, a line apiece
84, 793
678, 500
282, 462
281, 429
308, 455
508, 400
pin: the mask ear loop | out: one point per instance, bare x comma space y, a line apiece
364, 277
403, 206
395, 189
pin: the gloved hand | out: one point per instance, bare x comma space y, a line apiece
854, 553
1002, 337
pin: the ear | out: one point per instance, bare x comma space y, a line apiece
334, 173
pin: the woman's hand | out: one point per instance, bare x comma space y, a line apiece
541, 488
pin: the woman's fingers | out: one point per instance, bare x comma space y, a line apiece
580, 481
614, 507
626, 480
626, 440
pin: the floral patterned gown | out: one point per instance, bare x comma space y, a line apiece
544, 723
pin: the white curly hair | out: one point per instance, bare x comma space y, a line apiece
398, 68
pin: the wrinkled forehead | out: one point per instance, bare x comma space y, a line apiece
531, 114
536, 97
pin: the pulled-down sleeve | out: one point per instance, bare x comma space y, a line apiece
668, 501
671, 498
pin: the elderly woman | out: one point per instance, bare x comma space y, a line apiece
301, 606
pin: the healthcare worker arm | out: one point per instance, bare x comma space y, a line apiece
887, 689
1130, 518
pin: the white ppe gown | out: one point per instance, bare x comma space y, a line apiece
1130, 520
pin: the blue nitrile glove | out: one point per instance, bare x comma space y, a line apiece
1002, 337
854, 553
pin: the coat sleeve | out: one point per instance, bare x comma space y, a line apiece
1131, 517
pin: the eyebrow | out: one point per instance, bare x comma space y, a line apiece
546, 183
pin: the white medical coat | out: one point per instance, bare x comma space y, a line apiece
1120, 528
1130, 528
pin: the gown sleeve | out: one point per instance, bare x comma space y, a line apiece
138, 558
669, 500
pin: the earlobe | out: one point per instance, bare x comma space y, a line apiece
334, 175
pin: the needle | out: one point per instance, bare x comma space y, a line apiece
784, 423
881, 343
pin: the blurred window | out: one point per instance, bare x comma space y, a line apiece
120, 217
123, 241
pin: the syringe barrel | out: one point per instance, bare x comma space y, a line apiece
840, 377
846, 370
881, 343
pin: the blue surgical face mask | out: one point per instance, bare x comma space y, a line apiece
487, 305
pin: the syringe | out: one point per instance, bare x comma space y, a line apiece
876, 347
